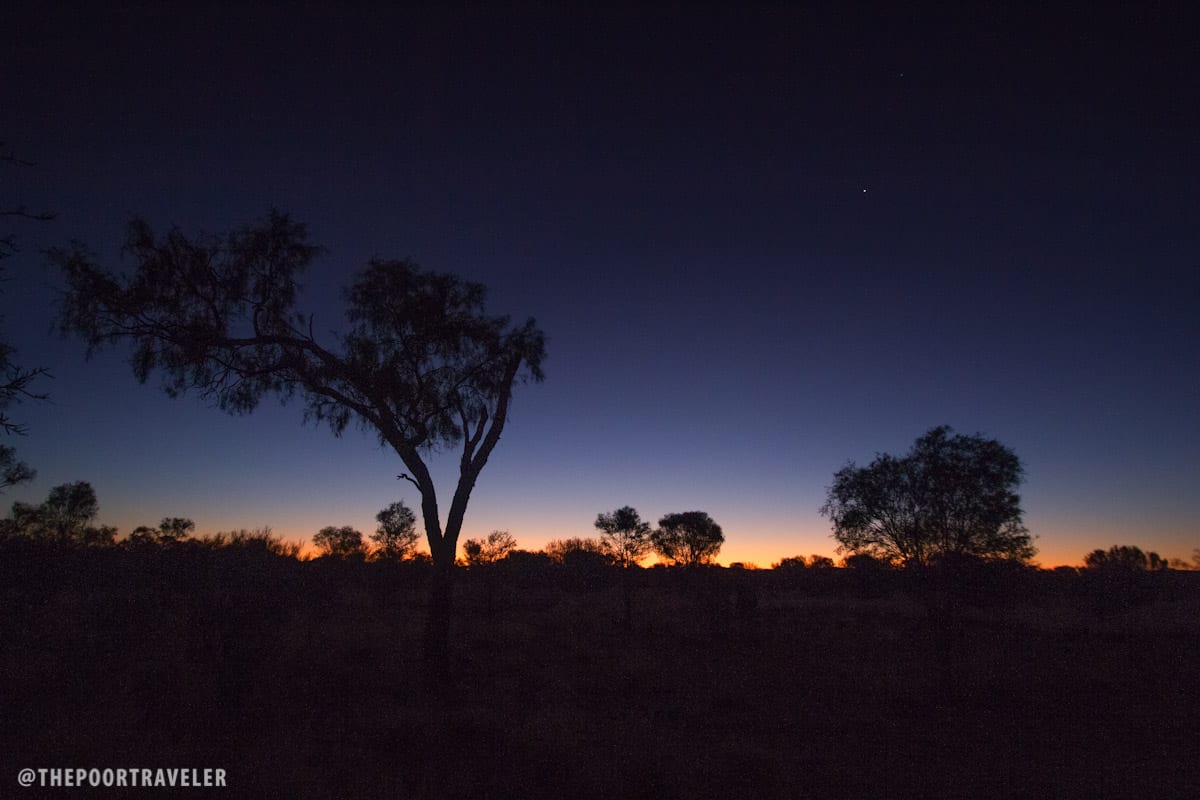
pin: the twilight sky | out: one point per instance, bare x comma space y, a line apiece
762, 244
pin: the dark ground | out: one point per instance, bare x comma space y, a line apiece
302, 680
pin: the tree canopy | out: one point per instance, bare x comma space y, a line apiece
396, 535
688, 538
1124, 557
489, 550
66, 517
951, 495
624, 536
343, 542
422, 365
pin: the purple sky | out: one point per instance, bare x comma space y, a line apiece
762, 244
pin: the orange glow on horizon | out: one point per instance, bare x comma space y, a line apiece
759, 556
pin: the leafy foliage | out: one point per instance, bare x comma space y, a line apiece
951, 495
1124, 557
170, 531
65, 517
688, 538
422, 365
396, 537
343, 542
496, 546
624, 536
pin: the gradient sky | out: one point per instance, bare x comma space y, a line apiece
761, 243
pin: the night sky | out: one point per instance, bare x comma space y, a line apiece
761, 243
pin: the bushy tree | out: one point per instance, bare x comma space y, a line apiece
343, 542
169, 531
624, 536
1124, 557
496, 546
65, 517
396, 537
421, 364
951, 495
790, 564
688, 538
561, 549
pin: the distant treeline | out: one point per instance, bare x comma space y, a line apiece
65, 521
259, 563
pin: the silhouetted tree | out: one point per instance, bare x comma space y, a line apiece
1124, 557
343, 542
15, 387
496, 546
422, 365
69, 509
820, 562
12, 469
396, 537
624, 535
15, 381
169, 531
65, 517
175, 529
8, 242
791, 564
689, 538
952, 494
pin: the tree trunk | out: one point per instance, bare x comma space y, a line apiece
437, 624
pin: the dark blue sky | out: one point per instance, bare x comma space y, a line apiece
762, 243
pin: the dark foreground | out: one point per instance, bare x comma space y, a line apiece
302, 680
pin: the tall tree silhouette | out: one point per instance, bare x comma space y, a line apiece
952, 495
421, 365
